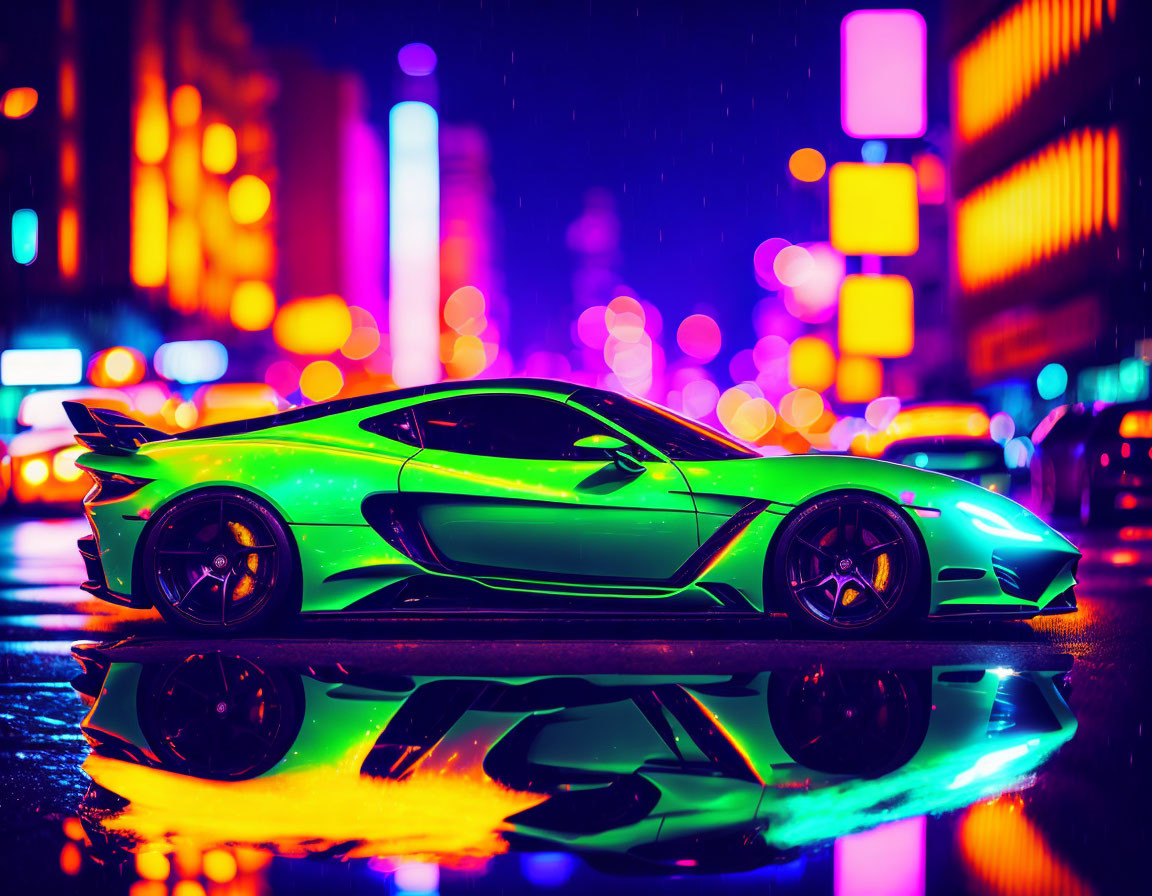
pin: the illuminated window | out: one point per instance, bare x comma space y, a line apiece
882, 66
248, 199
876, 316
1066, 194
148, 261
1007, 61
68, 241
931, 178
859, 380
873, 209
313, 326
811, 363
219, 148
253, 305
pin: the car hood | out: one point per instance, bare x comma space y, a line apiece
720, 486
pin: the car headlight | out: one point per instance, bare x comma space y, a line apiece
991, 523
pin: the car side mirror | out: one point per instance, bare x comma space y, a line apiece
617, 449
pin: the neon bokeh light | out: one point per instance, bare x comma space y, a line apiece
882, 73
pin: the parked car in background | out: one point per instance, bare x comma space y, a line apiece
229, 402
1094, 460
43, 453
978, 460
5, 473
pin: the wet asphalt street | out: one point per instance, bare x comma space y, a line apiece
1079, 823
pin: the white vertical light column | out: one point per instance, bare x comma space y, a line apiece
414, 243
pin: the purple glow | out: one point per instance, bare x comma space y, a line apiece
880, 412
888, 859
364, 201
882, 73
793, 265
763, 258
591, 328
814, 301
699, 337
742, 366
417, 60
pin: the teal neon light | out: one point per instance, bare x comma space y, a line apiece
25, 235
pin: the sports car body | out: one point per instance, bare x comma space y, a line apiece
537, 495
699, 772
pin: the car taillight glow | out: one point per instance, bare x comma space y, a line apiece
112, 486
1136, 425
34, 471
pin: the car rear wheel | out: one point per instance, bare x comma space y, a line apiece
220, 717
848, 563
219, 561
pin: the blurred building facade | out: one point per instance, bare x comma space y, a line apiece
185, 184
1049, 152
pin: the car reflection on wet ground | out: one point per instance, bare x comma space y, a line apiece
493, 755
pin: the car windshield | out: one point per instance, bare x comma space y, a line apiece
678, 438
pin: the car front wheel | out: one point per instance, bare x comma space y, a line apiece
848, 563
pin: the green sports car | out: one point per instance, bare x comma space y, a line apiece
541, 496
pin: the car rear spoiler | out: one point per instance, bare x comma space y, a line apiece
109, 432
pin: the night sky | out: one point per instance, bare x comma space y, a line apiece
686, 113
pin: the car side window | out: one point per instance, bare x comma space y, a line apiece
399, 425
517, 426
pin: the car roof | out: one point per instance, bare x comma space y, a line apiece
557, 388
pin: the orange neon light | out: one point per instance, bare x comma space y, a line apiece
727, 736
1014, 55
69, 163
925, 421
1136, 425
450, 815
67, 98
148, 262
68, 242
1007, 855
184, 172
19, 102
186, 263
1066, 194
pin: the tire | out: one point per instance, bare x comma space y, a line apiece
848, 563
219, 561
219, 717
860, 722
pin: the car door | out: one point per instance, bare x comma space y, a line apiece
499, 488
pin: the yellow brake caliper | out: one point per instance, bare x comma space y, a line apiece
245, 538
880, 575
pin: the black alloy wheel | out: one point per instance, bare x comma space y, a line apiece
849, 721
848, 563
218, 561
219, 717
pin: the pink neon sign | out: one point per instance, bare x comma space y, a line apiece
882, 73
